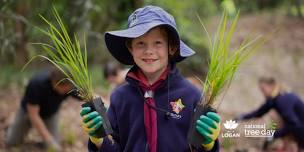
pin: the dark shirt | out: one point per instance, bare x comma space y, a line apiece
39, 91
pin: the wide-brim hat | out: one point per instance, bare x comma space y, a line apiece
140, 22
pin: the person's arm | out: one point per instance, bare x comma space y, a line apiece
37, 122
259, 112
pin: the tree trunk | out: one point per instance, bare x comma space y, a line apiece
20, 29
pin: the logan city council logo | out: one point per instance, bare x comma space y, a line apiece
230, 126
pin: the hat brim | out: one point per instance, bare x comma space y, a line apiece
116, 42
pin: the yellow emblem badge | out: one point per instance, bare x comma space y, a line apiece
177, 106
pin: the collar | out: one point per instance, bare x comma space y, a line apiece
137, 74
173, 75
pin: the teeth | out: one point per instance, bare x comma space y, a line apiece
149, 60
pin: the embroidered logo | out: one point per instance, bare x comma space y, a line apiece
177, 106
133, 19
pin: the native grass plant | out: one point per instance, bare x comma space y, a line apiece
224, 61
222, 66
67, 55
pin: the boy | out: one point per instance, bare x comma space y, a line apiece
153, 110
39, 108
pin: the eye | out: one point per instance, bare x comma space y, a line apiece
158, 42
140, 43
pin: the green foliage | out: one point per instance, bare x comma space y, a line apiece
257, 5
11, 75
94, 17
224, 61
227, 143
67, 56
272, 125
98, 78
8, 39
70, 137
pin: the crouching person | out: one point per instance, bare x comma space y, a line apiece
39, 109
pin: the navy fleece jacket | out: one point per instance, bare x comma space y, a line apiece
127, 117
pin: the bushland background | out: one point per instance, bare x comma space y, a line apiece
281, 57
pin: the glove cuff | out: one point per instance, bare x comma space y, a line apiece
96, 141
208, 146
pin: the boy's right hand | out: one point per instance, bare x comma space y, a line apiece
91, 121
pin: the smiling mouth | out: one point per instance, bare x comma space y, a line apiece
149, 60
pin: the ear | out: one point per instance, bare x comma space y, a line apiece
172, 50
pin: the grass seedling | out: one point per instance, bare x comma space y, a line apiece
222, 65
224, 61
67, 56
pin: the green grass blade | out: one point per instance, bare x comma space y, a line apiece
224, 63
67, 56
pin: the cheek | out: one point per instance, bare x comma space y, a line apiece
161, 50
135, 53
163, 54
136, 57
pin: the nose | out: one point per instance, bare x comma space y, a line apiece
148, 50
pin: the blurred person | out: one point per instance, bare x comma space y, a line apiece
39, 108
114, 73
288, 106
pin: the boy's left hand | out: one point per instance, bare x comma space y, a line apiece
209, 127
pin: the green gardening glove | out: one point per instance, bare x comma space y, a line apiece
209, 127
91, 121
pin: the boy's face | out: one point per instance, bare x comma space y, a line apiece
150, 51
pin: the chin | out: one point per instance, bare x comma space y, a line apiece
150, 68
150, 71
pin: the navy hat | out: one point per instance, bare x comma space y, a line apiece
139, 23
